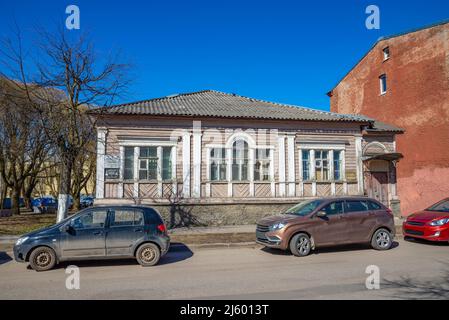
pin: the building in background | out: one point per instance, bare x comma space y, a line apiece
404, 80
231, 159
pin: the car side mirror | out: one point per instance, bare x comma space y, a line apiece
68, 228
321, 214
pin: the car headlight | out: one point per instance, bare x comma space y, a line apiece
277, 226
21, 240
439, 222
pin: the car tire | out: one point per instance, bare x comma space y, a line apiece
300, 245
148, 254
42, 259
381, 239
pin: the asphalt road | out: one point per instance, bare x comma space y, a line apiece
409, 270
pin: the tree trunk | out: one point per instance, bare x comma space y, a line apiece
3, 194
15, 200
64, 188
76, 201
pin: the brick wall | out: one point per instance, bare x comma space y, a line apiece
417, 100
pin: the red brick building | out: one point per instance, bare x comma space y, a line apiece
404, 80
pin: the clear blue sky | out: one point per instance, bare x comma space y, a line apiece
284, 51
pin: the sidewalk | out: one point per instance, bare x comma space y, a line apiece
224, 236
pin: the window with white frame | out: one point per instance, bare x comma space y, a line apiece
338, 165
240, 160
383, 83
322, 165
262, 165
149, 162
217, 164
305, 158
128, 170
386, 53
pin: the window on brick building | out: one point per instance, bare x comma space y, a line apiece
386, 52
383, 84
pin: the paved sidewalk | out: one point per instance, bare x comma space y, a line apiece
207, 236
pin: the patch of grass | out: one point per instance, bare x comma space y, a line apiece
24, 223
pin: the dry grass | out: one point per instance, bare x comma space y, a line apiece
24, 223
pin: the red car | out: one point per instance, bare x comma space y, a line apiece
430, 224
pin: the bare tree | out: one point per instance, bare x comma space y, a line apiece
23, 147
84, 170
70, 79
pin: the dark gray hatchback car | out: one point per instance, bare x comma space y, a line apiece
97, 233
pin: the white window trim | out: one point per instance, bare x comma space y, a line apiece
382, 89
385, 55
312, 168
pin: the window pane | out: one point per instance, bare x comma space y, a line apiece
123, 218
128, 172
354, 206
337, 165
143, 175
305, 165
235, 172
166, 163
333, 208
92, 219
152, 168
373, 206
244, 172
257, 169
305, 154
213, 171
223, 171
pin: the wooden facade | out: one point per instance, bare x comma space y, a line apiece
191, 141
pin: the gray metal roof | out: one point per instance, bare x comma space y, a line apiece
211, 103
379, 126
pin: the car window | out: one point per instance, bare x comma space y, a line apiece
373, 206
442, 206
304, 208
91, 219
356, 205
333, 208
127, 217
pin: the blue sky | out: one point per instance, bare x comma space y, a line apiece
284, 51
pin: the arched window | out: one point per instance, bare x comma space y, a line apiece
240, 156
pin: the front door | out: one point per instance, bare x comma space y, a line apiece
377, 186
331, 229
86, 237
126, 226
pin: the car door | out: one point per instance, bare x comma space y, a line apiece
126, 226
86, 236
360, 220
332, 228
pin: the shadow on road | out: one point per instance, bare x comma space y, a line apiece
178, 252
340, 248
4, 257
410, 288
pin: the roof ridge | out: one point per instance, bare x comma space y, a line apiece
283, 104
160, 98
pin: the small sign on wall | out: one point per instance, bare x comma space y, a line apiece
351, 175
111, 161
111, 173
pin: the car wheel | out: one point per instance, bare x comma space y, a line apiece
148, 254
300, 245
42, 259
381, 239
